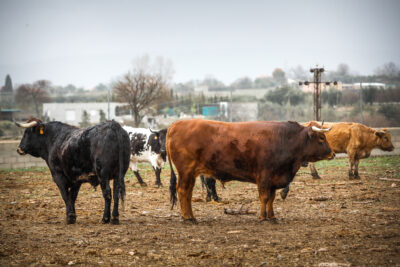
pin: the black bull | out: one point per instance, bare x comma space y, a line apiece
97, 155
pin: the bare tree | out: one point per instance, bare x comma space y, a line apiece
144, 86
36, 94
388, 69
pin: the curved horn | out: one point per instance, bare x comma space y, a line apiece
26, 125
316, 129
154, 132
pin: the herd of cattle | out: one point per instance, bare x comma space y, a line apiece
268, 154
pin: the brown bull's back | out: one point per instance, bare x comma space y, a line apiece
227, 149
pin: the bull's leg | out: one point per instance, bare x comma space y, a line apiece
314, 172
285, 192
66, 195
203, 182
270, 208
267, 197
263, 208
115, 213
105, 188
351, 166
356, 175
211, 189
185, 189
157, 170
73, 194
139, 178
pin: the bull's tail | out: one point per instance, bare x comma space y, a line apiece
122, 170
172, 182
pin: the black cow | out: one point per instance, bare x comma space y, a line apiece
97, 154
209, 184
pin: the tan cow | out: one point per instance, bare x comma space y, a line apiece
355, 139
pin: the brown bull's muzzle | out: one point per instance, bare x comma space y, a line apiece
20, 151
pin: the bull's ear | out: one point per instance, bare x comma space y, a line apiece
310, 132
40, 128
379, 133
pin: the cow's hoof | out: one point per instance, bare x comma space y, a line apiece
357, 177
159, 185
190, 221
217, 199
114, 221
105, 220
143, 184
270, 220
273, 220
71, 219
284, 194
208, 198
316, 176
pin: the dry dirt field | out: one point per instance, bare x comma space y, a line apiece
328, 222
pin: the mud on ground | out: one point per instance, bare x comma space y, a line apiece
321, 223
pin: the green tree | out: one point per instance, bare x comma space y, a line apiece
85, 120
369, 94
102, 116
279, 76
8, 87
391, 112
279, 95
242, 83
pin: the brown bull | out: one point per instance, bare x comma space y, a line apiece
265, 153
355, 139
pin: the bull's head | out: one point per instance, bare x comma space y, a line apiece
319, 147
384, 140
33, 140
157, 142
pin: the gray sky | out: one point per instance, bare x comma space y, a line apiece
85, 42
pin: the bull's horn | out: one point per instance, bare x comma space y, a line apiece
316, 129
154, 132
26, 125
322, 124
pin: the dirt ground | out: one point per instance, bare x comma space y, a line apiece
328, 222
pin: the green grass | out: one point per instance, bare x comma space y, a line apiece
381, 165
374, 165
30, 169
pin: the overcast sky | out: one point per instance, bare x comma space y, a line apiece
86, 42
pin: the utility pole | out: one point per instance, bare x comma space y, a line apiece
230, 107
108, 103
361, 107
317, 90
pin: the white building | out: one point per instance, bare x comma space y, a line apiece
71, 113
259, 93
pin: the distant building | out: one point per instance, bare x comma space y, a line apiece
259, 93
71, 113
356, 86
310, 87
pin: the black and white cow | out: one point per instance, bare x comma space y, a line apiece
97, 155
147, 146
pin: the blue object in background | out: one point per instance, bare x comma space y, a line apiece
210, 111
